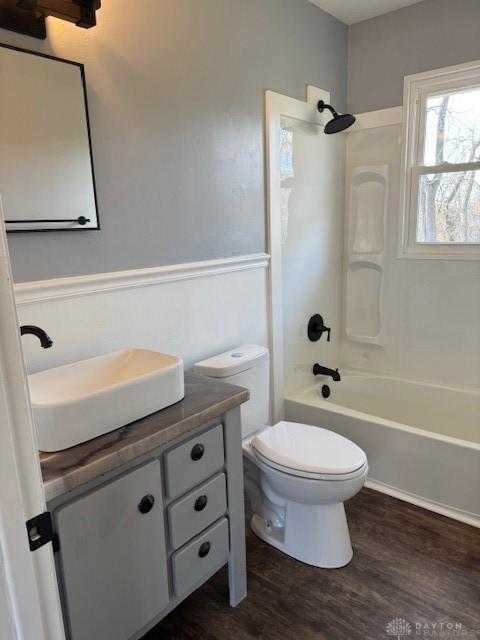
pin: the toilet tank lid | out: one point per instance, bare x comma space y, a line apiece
231, 362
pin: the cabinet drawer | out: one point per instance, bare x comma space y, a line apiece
199, 557
194, 461
195, 511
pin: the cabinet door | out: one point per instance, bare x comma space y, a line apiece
113, 557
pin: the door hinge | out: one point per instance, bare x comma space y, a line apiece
40, 532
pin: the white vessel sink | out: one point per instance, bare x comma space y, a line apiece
83, 400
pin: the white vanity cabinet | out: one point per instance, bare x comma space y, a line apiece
113, 556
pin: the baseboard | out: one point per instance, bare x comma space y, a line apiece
430, 505
70, 287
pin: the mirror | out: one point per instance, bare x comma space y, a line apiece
46, 170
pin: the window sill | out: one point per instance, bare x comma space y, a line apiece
439, 252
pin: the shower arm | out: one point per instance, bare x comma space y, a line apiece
323, 105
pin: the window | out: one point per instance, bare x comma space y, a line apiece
441, 181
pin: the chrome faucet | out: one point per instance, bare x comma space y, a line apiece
44, 338
319, 370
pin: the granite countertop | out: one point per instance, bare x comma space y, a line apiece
205, 399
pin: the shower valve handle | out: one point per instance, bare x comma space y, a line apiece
316, 328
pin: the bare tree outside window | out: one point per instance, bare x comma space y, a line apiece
449, 201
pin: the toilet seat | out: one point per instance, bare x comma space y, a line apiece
308, 451
305, 475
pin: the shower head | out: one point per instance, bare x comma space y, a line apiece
339, 122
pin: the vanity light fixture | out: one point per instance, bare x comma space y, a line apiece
28, 16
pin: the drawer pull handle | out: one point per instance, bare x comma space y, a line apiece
204, 549
146, 503
200, 503
197, 452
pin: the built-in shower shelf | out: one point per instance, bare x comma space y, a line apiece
375, 340
366, 223
364, 282
368, 189
365, 258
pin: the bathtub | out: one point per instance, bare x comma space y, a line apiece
422, 440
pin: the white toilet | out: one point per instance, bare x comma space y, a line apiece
296, 475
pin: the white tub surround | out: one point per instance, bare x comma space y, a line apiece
422, 440
415, 319
305, 201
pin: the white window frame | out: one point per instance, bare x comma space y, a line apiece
416, 90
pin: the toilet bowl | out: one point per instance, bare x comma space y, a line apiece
298, 484
297, 476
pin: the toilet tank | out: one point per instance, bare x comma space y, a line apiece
246, 366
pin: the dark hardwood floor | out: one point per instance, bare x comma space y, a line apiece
408, 563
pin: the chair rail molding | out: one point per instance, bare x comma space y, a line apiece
69, 287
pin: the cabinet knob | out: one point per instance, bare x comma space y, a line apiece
204, 549
146, 503
200, 503
197, 452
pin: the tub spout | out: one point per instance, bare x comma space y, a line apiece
319, 370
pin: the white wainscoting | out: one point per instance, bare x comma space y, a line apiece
191, 310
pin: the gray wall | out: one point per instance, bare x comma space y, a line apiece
424, 36
176, 95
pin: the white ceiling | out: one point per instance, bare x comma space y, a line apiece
350, 11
